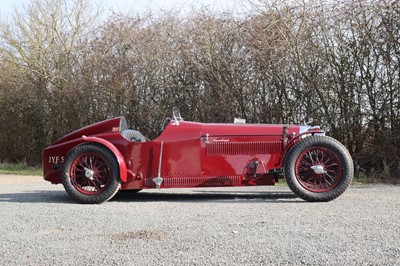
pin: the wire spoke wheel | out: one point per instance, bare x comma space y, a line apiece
318, 168
91, 173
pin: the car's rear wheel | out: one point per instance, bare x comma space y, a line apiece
90, 174
318, 168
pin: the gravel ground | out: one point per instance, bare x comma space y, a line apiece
218, 226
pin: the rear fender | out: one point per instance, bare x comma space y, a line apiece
121, 161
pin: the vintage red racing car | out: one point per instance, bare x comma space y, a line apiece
95, 162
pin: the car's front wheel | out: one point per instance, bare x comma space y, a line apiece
318, 168
90, 174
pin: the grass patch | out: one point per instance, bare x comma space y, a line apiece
281, 183
20, 169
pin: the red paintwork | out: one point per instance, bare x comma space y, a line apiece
117, 153
194, 154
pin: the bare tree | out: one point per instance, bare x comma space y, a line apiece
41, 46
284, 62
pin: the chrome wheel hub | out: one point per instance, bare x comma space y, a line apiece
318, 169
89, 173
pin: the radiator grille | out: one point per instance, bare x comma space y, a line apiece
246, 148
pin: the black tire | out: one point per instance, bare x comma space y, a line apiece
90, 174
129, 191
318, 168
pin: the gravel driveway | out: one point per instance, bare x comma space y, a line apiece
219, 226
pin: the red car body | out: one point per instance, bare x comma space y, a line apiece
185, 154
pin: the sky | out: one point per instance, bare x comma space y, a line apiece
138, 6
